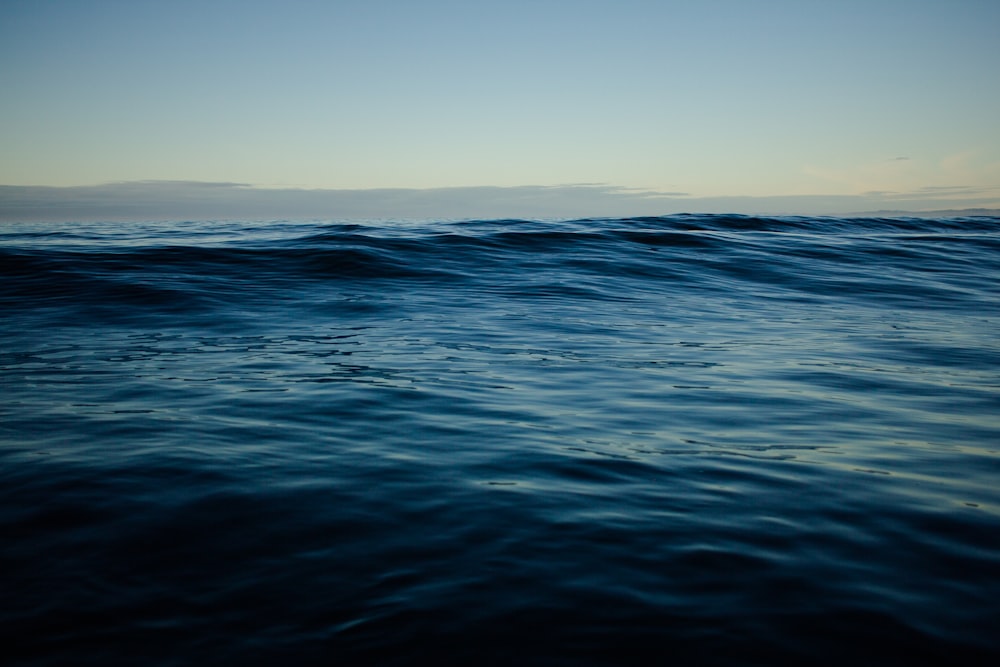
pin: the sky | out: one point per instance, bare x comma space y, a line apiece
803, 106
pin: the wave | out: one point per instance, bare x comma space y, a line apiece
706, 439
870, 258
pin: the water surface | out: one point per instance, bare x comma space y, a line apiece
718, 440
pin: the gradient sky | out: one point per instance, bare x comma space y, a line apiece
704, 97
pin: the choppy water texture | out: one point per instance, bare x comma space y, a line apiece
713, 440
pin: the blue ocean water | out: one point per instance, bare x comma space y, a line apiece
692, 440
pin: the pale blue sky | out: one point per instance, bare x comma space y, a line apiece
705, 97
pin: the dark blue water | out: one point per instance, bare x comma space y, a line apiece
692, 440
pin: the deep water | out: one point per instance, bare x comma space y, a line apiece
690, 440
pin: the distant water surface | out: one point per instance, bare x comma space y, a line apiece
692, 440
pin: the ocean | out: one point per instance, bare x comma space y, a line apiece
681, 440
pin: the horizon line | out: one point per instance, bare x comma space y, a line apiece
192, 199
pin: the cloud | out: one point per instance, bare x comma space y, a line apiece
196, 200
147, 200
948, 191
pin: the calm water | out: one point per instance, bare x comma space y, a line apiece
713, 440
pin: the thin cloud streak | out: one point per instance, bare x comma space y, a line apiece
196, 200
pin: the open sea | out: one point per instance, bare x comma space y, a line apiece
683, 440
